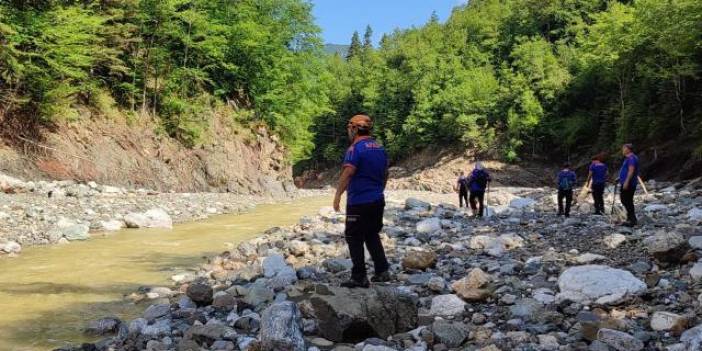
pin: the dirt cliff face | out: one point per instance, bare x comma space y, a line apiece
116, 152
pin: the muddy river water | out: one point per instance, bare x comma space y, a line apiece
49, 293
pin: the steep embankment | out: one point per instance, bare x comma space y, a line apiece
117, 152
436, 170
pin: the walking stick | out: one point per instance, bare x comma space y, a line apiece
614, 198
486, 200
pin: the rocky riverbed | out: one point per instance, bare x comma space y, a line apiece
58, 212
521, 279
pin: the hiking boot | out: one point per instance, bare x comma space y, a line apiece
629, 224
559, 214
382, 277
353, 283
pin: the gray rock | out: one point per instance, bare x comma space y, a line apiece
137, 326
692, 338
156, 311
258, 294
598, 283
209, 332
448, 333
429, 225
272, 265
200, 293
353, 314
160, 328
416, 204
281, 328
103, 326
526, 309
618, 340
76, 232
449, 305
695, 242
337, 265
696, 271
666, 246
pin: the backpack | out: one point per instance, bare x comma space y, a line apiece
481, 178
565, 184
463, 183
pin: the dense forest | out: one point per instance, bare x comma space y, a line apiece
179, 61
523, 77
512, 78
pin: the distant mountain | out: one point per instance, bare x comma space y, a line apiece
335, 48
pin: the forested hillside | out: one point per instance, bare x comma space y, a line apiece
511, 78
514, 78
177, 60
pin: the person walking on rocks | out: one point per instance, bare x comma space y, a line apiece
598, 178
628, 179
566, 182
462, 189
364, 175
478, 182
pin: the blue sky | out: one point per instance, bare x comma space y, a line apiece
339, 18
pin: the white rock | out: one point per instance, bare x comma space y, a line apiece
449, 305
696, 271
695, 215
112, 225
153, 218
522, 202
613, 241
598, 283
544, 295
695, 242
589, 258
429, 225
11, 247
652, 208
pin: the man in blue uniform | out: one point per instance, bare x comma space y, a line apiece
628, 179
598, 176
462, 189
364, 175
478, 182
566, 182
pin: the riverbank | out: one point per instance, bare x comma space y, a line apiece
520, 279
58, 212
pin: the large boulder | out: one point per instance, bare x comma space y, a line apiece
619, 341
450, 334
449, 305
76, 232
429, 225
416, 204
153, 218
419, 259
668, 321
598, 283
352, 315
695, 215
200, 293
666, 246
281, 328
473, 287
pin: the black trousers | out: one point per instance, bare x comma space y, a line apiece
568, 196
598, 197
363, 225
462, 197
627, 198
477, 201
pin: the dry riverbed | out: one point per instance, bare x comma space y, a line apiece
522, 279
58, 212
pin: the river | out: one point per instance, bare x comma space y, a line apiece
48, 294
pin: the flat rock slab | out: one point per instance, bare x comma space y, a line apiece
598, 283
